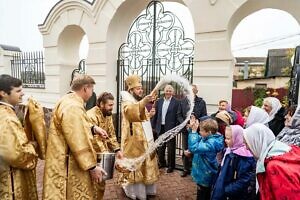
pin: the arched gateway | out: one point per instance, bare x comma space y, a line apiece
156, 45
106, 24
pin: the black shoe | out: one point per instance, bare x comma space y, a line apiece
162, 166
169, 170
151, 196
184, 173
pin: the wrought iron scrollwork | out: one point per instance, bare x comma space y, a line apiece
156, 37
79, 70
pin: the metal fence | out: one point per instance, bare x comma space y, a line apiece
29, 67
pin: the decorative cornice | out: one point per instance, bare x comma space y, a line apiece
63, 6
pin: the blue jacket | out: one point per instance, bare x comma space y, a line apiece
236, 179
205, 166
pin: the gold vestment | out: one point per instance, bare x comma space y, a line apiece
69, 152
134, 142
109, 144
18, 159
35, 126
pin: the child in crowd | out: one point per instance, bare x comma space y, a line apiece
223, 119
205, 148
236, 179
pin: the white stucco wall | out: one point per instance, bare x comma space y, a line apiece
5, 58
106, 23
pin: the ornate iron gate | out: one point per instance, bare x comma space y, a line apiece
156, 46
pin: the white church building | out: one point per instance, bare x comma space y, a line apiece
124, 41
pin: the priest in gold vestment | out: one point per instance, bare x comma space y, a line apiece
136, 134
101, 115
71, 170
18, 157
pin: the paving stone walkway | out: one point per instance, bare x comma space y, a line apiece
169, 187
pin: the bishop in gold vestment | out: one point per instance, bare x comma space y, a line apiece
18, 157
134, 142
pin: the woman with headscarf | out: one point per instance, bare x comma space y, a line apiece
290, 134
278, 165
236, 115
236, 178
256, 115
224, 119
276, 114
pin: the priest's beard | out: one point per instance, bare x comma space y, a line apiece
137, 97
106, 112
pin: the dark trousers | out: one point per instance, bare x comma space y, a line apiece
203, 193
187, 161
171, 146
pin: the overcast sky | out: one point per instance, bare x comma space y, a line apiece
263, 30
258, 32
19, 21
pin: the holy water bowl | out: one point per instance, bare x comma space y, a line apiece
107, 162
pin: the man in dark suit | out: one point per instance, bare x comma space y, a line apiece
198, 111
164, 120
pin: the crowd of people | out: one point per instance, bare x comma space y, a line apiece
230, 155
259, 158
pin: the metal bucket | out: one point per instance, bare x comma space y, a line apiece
107, 162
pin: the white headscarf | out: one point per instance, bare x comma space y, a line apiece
275, 104
291, 134
262, 144
257, 115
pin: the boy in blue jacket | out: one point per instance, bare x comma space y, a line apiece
205, 148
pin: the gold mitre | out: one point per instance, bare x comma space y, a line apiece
133, 81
